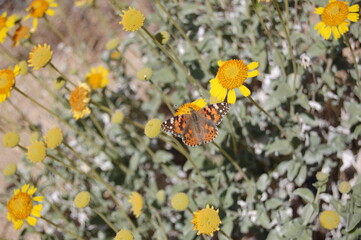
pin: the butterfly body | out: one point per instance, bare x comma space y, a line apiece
199, 126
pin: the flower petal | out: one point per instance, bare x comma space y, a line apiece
32, 190
319, 26
222, 95
50, 12
245, 91
31, 220
353, 17
336, 33
326, 32
18, 224
38, 198
319, 10
231, 98
354, 8
343, 27
220, 63
252, 74
25, 188
252, 65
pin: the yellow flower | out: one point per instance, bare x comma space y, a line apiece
21, 206
115, 55
10, 169
22, 32
79, 99
321, 176
124, 234
329, 219
334, 18
23, 68
152, 128
11, 139
206, 221
160, 196
137, 203
34, 136
232, 74
53, 137
344, 187
117, 117
97, 77
82, 199
144, 73
36, 151
132, 19
180, 201
7, 81
5, 24
40, 56
38, 8
195, 105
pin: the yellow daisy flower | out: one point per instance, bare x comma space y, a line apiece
5, 24
21, 206
11, 139
79, 99
132, 19
97, 77
180, 201
137, 203
7, 81
152, 128
10, 169
53, 137
232, 74
82, 199
206, 221
329, 219
195, 105
40, 56
38, 8
36, 151
334, 18
22, 32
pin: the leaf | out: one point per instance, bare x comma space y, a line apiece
305, 194
292, 170
280, 146
273, 203
262, 182
329, 79
354, 220
308, 213
301, 177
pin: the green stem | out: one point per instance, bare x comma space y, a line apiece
225, 234
268, 115
105, 219
61, 74
61, 228
354, 59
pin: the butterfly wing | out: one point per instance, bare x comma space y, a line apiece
191, 136
215, 112
176, 125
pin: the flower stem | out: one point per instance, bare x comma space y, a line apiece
268, 115
105, 219
354, 59
62, 229
225, 234
61, 74
235, 164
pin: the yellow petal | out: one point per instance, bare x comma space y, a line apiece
35, 25
326, 32
319, 25
330, 1
50, 12
35, 213
252, 74
31, 220
252, 65
220, 63
216, 89
38, 198
343, 27
54, 4
38, 207
336, 33
245, 91
231, 96
18, 224
354, 8
25, 188
222, 95
319, 10
32, 190
353, 17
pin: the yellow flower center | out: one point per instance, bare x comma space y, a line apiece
132, 19
38, 8
20, 205
186, 109
335, 13
2, 22
78, 99
232, 74
7, 80
40, 56
95, 80
206, 221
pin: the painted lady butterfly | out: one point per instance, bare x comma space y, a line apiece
199, 126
